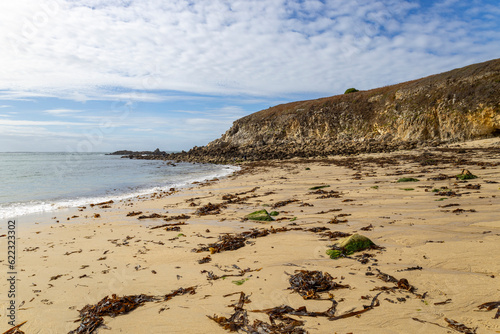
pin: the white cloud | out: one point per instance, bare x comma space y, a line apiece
82, 50
62, 112
40, 123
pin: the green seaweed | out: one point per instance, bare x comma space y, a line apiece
261, 215
240, 281
374, 187
408, 179
274, 213
349, 245
466, 175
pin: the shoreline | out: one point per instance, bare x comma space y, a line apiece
65, 266
38, 210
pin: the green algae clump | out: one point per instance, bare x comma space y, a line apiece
349, 245
261, 215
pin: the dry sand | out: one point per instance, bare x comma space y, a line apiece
63, 266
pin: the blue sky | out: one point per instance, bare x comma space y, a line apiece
103, 75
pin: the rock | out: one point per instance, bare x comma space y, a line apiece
261, 215
349, 245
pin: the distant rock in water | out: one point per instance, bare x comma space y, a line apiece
156, 152
458, 105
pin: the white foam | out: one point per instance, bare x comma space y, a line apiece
14, 210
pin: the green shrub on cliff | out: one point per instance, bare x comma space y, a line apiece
351, 90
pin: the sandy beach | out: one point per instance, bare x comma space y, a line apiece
440, 233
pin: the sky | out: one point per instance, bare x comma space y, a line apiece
106, 75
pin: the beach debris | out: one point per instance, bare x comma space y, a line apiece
473, 186
491, 306
179, 292
15, 329
447, 301
335, 220
210, 209
102, 203
408, 179
447, 193
73, 252
151, 216
96, 215
206, 259
367, 228
350, 245
241, 281
274, 213
335, 235
319, 187
283, 203
134, 213
411, 268
449, 205
180, 217
466, 175
440, 177
261, 215
327, 211
236, 241
458, 211
239, 321
91, 316
308, 283
460, 327
212, 277
167, 225
318, 229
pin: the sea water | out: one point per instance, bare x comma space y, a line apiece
44, 182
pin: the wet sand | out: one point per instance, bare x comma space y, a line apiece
450, 254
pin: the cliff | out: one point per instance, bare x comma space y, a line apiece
458, 105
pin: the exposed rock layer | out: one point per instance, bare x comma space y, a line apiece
458, 105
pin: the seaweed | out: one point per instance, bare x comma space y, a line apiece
318, 229
460, 327
466, 175
408, 179
350, 245
283, 203
168, 225
335, 234
133, 213
236, 241
308, 283
153, 215
491, 306
91, 316
260, 215
179, 292
183, 216
239, 321
206, 259
212, 277
319, 187
210, 209
15, 329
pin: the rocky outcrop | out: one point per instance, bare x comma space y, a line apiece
458, 105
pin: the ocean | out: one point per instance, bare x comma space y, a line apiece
44, 182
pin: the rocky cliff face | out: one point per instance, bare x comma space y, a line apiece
458, 105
